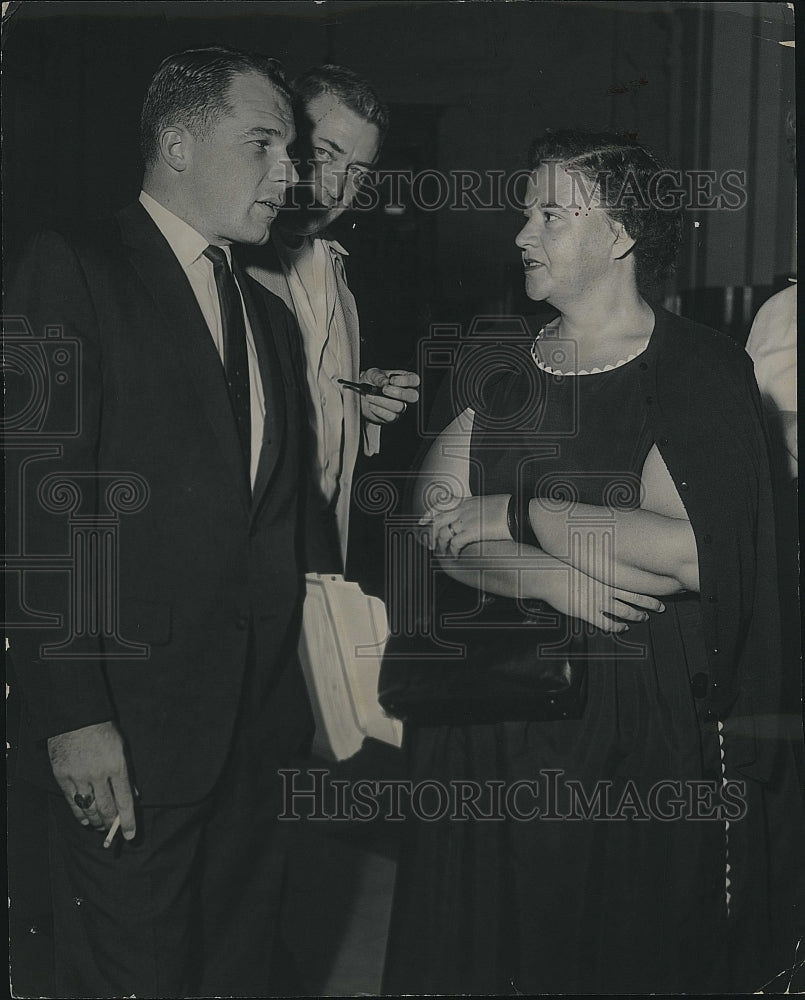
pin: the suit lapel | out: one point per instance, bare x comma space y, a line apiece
163, 276
273, 389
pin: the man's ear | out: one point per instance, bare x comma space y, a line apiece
624, 243
175, 147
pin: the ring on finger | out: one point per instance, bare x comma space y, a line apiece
84, 802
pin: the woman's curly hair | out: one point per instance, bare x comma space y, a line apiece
636, 189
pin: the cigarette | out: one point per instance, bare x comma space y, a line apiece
112, 831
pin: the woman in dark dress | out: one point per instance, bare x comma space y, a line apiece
647, 854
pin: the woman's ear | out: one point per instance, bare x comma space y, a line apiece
175, 145
623, 244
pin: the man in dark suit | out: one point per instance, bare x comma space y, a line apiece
159, 676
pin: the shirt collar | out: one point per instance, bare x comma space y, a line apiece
187, 243
335, 246
307, 241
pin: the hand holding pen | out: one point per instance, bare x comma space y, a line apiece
385, 395
362, 388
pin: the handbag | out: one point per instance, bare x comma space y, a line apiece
479, 658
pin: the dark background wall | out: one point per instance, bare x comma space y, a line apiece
707, 84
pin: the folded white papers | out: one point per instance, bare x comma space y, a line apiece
343, 636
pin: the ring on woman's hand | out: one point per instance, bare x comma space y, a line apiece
84, 801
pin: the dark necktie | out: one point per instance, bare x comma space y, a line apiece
236, 361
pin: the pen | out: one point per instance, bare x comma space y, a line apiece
112, 831
364, 388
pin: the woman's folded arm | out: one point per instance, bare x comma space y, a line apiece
503, 567
627, 548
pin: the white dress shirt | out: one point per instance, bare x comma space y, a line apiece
189, 246
772, 345
310, 271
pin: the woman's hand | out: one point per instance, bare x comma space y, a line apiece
580, 596
474, 519
567, 589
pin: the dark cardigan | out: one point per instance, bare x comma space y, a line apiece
704, 409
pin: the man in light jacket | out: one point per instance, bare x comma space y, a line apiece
341, 125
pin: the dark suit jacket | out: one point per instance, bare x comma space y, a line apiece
199, 569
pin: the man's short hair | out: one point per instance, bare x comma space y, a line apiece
190, 88
350, 88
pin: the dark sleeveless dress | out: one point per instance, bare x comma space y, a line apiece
624, 901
